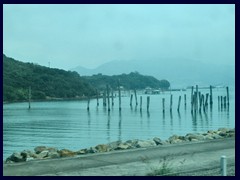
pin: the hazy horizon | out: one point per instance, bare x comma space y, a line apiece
84, 35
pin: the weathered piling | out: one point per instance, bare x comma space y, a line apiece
195, 102
97, 98
171, 103
29, 97
179, 102
221, 102
206, 101
148, 102
131, 100
218, 102
135, 93
225, 102
108, 100
163, 105
119, 95
200, 104
227, 95
112, 97
192, 98
88, 103
211, 97
204, 110
140, 103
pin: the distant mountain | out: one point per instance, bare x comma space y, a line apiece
179, 72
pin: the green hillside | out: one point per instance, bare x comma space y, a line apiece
51, 83
129, 81
45, 82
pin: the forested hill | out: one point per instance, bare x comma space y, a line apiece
45, 82
51, 83
133, 80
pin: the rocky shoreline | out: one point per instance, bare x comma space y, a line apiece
43, 152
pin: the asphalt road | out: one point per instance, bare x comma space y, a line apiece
182, 156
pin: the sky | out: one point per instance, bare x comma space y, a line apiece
90, 35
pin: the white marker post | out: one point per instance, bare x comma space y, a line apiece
223, 162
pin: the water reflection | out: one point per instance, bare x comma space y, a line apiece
120, 126
70, 122
108, 127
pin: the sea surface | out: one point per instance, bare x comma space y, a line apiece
68, 124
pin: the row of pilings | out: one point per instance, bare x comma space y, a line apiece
199, 101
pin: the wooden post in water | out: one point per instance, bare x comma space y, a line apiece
206, 101
119, 95
140, 103
211, 98
29, 97
171, 102
163, 104
225, 99
135, 93
131, 100
108, 100
148, 102
221, 102
195, 102
97, 99
227, 95
192, 97
200, 103
203, 103
88, 103
179, 102
112, 97
218, 102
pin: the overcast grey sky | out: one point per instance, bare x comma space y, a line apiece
90, 35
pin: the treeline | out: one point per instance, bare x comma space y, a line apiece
45, 82
132, 80
50, 83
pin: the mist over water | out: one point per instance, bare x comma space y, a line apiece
68, 124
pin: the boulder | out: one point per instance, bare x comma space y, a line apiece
175, 141
42, 154
196, 136
132, 143
157, 141
82, 151
91, 150
216, 136
17, 157
53, 154
208, 137
123, 146
223, 129
102, 148
39, 149
147, 143
66, 153
113, 145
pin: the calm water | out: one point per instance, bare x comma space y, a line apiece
68, 124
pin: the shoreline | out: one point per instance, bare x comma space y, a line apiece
43, 152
